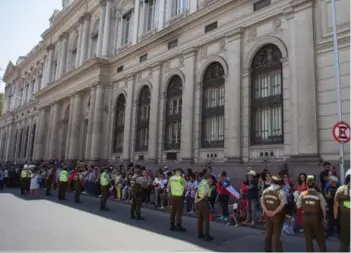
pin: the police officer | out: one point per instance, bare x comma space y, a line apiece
273, 201
342, 201
312, 204
77, 185
137, 184
63, 181
177, 186
24, 179
104, 182
202, 207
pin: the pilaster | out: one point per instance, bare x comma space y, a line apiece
136, 21
54, 132
188, 105
80, 38
107, 29
75, 129
101, 27
97, 124
154, 112
85, 39
88, 146
128, 119
232, 101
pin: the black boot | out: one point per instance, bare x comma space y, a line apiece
140, 218
208, 238
173, 227
132, 216
180, 228
201, 235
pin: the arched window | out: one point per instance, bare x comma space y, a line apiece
142, 137
26, 138
94, 38
267, 96
173, 114
213, 107
32, 143
73, 52
119, 124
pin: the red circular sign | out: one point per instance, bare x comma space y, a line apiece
341, 132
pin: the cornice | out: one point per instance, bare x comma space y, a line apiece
62, 16
72, 74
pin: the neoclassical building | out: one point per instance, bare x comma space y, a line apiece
226, 82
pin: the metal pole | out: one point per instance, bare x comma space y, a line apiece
337, 76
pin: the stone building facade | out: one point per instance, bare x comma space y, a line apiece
226, 82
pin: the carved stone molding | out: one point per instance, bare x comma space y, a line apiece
139, 76
222, 45
252, 35
149, 74
50, 47
203, 51
181, 60
167, 66
276, 24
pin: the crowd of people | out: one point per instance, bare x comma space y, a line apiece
118, 183
246, 210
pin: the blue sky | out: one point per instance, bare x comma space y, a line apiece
21, 24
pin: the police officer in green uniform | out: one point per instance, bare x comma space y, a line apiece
63, 181
313, 204
202, 207
342, 201
177, 186
24, 180
105, 183
273, 201
137, 184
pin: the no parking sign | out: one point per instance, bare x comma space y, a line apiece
341, 132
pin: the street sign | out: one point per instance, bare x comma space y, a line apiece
341, 132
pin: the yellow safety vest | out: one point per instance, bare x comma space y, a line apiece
63, 176
177, 187
203, 188
104, 179
24, 174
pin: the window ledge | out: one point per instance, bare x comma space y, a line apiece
178, 17
148, 34
124, 47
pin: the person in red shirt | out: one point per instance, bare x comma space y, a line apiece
223, 197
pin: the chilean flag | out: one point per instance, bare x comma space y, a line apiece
226, 184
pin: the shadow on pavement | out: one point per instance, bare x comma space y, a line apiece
155, 221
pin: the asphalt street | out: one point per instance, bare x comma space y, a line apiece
46, 224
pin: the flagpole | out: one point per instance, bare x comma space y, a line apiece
338, 83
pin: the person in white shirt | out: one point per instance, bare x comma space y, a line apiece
34, 184
2, 181
6, 177
158, 186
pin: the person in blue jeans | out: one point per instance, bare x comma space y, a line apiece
252, 197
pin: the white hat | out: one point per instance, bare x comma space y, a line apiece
252, 173
31, 166
25, 167
334, 178
348, 172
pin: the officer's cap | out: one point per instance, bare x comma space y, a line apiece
310, 179
348, 172
179, 170
276, 178
25, 167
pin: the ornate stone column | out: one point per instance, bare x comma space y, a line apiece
48, 77
128, 119
154, 115
107, 29
63, 54
88, 147
97, 124
303, 83
187, 140
232, 101
70, 120
75, 129
39, 144
85, 38
54, 131
136, 21
161, 14
80, 36
11, 142
101, 27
